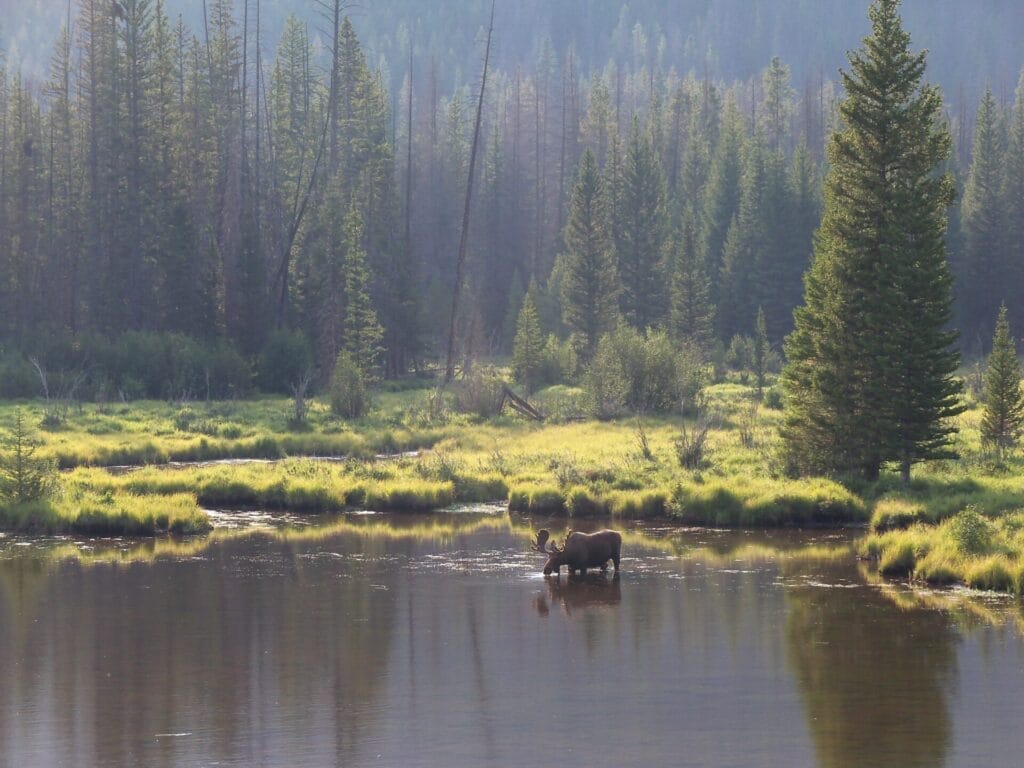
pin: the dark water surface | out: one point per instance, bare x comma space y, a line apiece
396, 641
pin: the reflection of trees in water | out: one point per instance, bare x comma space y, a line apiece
253, 650
876, 680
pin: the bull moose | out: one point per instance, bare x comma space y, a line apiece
580, 551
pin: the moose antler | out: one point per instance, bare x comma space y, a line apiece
542, 537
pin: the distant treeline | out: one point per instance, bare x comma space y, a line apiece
173, 181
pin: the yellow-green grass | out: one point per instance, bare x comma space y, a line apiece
152, 432
86, 512
577, 469
968, 548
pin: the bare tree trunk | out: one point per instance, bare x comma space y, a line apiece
460, 263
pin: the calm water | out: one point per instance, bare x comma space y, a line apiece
388, 641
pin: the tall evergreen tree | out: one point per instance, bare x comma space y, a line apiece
1003, 419
743, 254
1013, 199
361, 330
984, 269
691, 314
870, 372
641, 233
590, 289
528, 346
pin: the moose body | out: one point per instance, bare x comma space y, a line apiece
580, 551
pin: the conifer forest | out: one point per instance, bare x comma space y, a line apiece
331, 331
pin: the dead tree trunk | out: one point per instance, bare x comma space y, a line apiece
460, 263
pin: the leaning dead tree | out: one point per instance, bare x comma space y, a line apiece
460, 263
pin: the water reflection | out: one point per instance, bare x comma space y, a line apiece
876, 677
420, 641
576, 593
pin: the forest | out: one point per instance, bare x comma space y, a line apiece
698, 273
331, 331
172, 183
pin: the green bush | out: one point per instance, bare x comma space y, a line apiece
17, 377
558, 363
284, 360
606, 383
349, 394
643, 373
479, 393
970, 532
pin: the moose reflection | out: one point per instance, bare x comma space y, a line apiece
580, 551
594, 590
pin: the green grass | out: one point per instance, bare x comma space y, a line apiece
968, 548
86, 512
561, 467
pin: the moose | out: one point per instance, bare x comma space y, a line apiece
580, 551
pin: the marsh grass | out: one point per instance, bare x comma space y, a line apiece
108, 514
968, 548
560, 467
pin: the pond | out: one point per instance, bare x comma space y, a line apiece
389, 640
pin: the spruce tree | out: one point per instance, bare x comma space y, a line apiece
641, 233
590, 288
362, 331
983, 273
528, 346
691, 313
1013, 196
24, 476
1003, 419
870, 372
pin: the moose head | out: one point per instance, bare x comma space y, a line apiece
553, 551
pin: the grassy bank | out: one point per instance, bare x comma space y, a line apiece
114, 513
624, 469
967, 548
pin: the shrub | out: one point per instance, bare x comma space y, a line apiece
479, 393
17, 377
773, 399
606, 384
558, 362
284, 360
690, 444
740, 355
645, 373
970, 532
349, 395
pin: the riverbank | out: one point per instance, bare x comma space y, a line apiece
624, 469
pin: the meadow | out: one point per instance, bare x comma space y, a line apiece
148, 467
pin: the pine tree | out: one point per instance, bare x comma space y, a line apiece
778, 95
641, 233
691, 315
983, 274
24, 476
361, 331
1013, 197
591, 286
870, 372
743, 254
528, 346
1003, 419
722, 194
